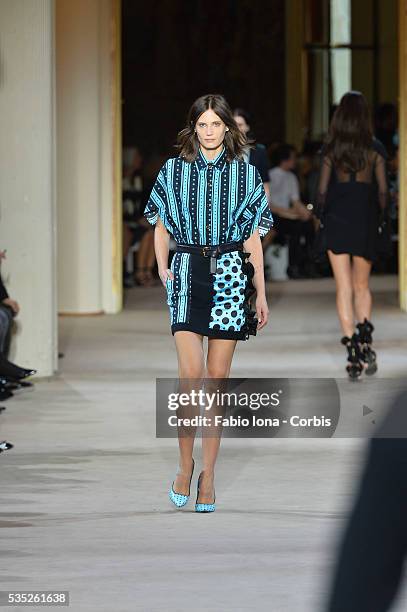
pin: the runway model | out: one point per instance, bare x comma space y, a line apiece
351, 193
215, 206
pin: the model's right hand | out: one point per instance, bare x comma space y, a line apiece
262, 311
165, 275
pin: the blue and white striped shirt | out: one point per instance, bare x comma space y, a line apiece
209, 202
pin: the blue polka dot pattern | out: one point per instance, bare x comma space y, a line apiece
177, 498
229, 293
201, 507
204, 507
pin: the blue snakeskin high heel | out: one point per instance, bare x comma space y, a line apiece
199, 507
178, 498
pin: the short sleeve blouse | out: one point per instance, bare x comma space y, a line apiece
209, 201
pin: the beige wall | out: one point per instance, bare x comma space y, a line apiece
27, 192
89, 240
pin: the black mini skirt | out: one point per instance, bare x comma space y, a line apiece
214, 304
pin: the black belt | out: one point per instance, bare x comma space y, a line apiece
212, 251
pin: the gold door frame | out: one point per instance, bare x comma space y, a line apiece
117, 224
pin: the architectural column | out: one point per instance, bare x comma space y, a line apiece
403, 153
88, 154
388, 51
27, 192
295, 91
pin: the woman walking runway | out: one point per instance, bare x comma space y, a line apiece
214, 205
351, 193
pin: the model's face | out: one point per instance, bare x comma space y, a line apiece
241, 124
210, 130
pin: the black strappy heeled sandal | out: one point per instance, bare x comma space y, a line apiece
355, 366
365, 340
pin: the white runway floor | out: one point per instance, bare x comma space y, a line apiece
84, 503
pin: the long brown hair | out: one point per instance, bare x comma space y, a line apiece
234, 141
350, 134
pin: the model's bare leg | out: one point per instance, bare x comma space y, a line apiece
219, 361
342, 270
360, 279
191, 371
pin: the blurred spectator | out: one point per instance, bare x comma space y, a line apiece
257, 156
393, 180
292, 219
136, 229
393, 177
9, 308
386, 126
308, 170
9, 372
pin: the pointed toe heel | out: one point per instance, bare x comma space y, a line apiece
200, 507
179, 499
205, 507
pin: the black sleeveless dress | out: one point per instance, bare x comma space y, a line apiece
349, 204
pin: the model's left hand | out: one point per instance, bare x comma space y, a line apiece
262, 311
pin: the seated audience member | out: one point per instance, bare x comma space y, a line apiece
136, 228
292, 219
309, 163
257, 155
386, 126
9, 309
394, 189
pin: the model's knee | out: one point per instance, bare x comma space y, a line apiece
360, 288
191, 371
217, 371
345, 292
